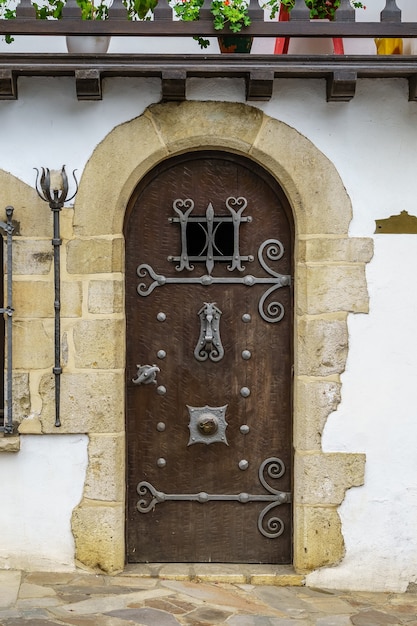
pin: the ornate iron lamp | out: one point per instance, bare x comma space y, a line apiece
52, 187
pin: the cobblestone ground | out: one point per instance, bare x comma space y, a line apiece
80, 599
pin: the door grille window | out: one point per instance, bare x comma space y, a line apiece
210, 238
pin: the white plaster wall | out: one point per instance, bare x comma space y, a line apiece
373, 143
40, 486
378, 417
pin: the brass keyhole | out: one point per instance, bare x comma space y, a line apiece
208, 425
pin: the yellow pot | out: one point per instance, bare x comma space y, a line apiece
389, 46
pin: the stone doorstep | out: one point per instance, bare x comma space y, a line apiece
249, 574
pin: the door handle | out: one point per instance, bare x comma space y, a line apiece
145, 375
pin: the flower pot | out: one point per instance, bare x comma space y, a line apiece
389, 46
87, 43
235, 43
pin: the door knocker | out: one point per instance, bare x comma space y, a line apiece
209, 344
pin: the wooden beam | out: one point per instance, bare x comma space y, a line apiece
259, 71
341, 86
8, 84
204, 27
259, 85
173, 84
88, 84
412, 88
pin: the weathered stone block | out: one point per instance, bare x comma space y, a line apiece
336, 249
98, 531
230, 124
95, 256
105, 296
318, 539
313, 402
33, 344
31, 256
91, 402
9, 444
71, 299
322, 479
30, 426
322, 346
331, 288
21, 395
33, 298
106, 470
115, 173
32, 215
319, 200
98, 342
67, 217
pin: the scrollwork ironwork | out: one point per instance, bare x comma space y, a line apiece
273, 250
270, 528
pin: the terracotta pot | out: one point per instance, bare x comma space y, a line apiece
235, 43
87, 43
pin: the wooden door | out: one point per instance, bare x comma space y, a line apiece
209, 335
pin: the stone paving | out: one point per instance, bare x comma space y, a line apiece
131, 599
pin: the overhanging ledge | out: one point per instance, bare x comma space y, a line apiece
259, 71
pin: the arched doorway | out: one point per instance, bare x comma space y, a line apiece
330, 284
209, 239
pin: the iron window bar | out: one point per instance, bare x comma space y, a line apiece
8, 228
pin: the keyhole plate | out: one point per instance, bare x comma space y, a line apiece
207, 424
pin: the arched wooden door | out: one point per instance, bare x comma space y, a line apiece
209, 356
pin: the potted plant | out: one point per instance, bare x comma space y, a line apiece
231, 14
52, 9
234, 14
319, 9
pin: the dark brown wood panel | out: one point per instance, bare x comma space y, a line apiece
215, 531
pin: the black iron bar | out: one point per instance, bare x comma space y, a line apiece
56, 198
7, 310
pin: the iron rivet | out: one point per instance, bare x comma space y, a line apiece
161, 390
161, 317
244, 429
245, 392
243, 497
243, 465
161, 354
160, 427
246, 354
246, 317
161, 462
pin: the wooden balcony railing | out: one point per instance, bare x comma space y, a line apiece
259, 70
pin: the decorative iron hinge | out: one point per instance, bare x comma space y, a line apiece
270, 528
273, 249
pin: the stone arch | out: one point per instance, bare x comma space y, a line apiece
329, 284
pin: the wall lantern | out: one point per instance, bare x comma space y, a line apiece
52, 187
